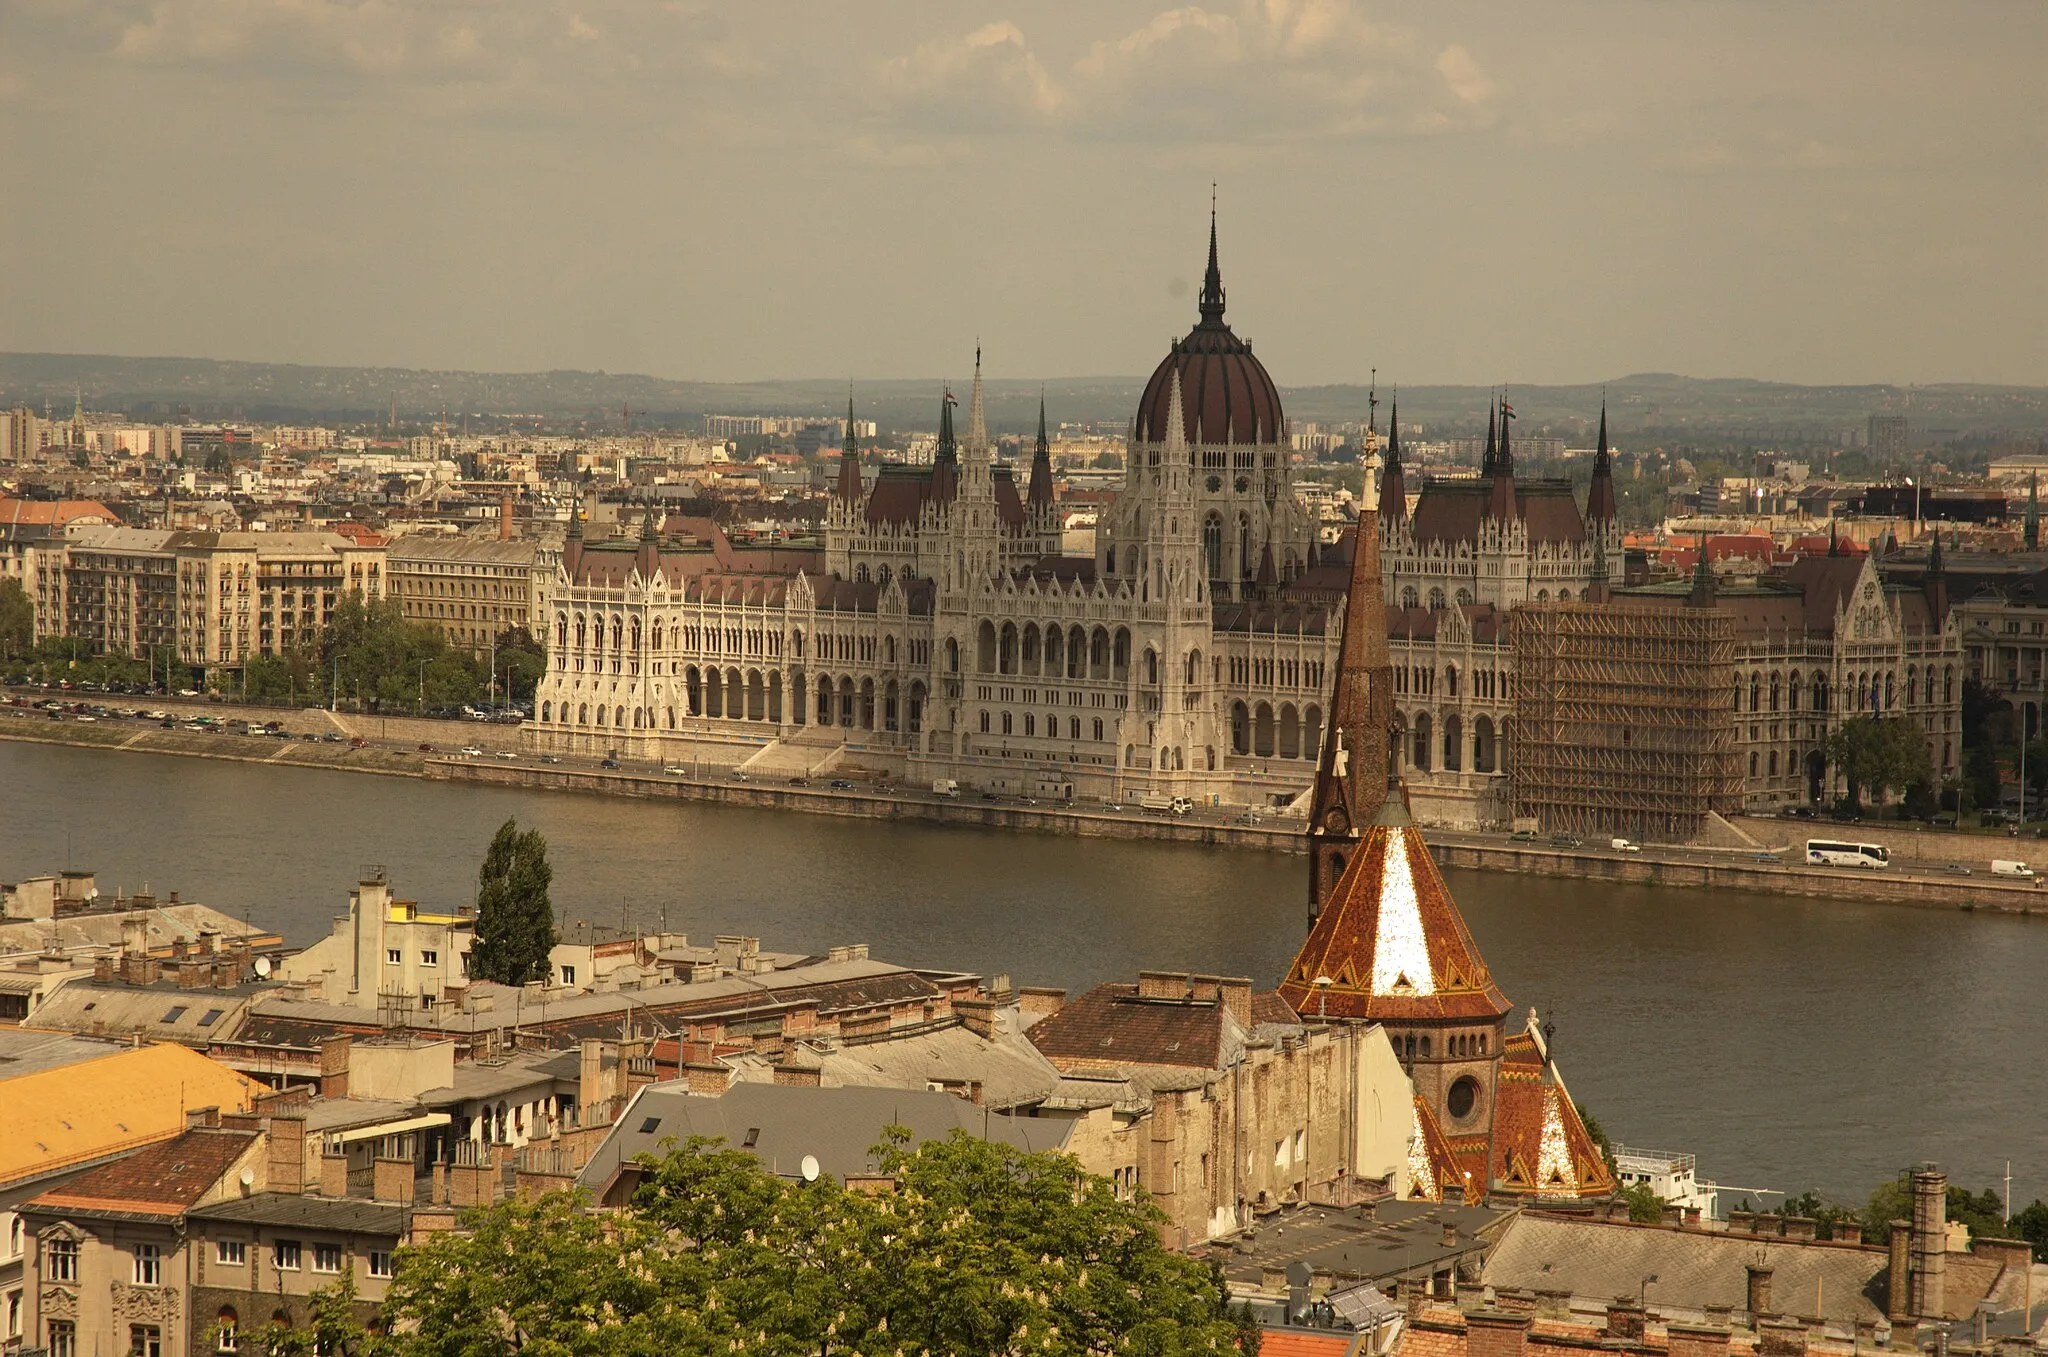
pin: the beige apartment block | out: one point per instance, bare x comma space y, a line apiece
473, 590
219, 598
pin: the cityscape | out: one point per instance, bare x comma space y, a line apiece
504, 854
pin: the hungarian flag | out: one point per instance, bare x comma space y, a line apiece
1507, 410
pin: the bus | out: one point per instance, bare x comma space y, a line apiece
1829, 853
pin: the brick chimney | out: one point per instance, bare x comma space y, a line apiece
1759, 1291
1930, 1242
1799, 1227
1625, 1321
1496, 1333
103, 968
334, 1062
1236, 994
1696, 1340
288, 1153
1899, 1291
505, 518
1163, 985
1039, 1000
977, 1015
1781, 1339
1849, 1231
712, 1079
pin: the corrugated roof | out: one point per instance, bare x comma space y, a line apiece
72, 1115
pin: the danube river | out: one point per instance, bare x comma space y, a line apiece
1791, 1044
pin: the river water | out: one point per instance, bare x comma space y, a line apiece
1791, 1044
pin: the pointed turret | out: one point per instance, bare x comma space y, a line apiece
1486, 461
849, 460
946, 459
572, 545
1702, 595
1600, 496
2033, 531
1268, 575
1212, 281
1393, 489
1040, 495
1176, 427
648, 558
1834, 542
1353, 767
1935, 584
977, 422
1500, 502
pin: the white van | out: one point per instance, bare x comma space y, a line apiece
2001, 867
1624, 846
945, 786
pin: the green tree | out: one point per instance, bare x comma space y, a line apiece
2032, 1226
1598, 1135
521, 662
17, 620
1645, 1207
515, 922
1878, 754
1980, 773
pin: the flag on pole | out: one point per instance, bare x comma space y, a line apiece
1507, 410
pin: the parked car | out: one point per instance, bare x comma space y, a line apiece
675, 770
426, 748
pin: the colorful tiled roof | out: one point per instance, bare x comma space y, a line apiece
74, 1115
1392, 942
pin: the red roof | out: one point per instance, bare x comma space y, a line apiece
54, 513
1299, 1343
167, 1178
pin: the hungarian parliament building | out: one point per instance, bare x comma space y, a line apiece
941, 634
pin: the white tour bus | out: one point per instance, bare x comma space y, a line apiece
1829, 853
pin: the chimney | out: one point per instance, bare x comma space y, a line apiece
1930, 1241
334, 1175
1625, 1321
334, 1062
1849, 1231
1696, 1340
1674, 1214
1040, 1000
1450, 1235
709, 1079
1163, 985
197, 1117
1692, 1218
193, 974
288, 1153
589, 1078
1759, 1292
1496, 1333
1799, 1227
135, 935
797, 1076
977, 1015
1742, 1222
1781, 1339
103, 968
1236, 993
1898, 1305
505, 518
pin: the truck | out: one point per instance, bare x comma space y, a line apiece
2004, 867
1624, 846
945, 786
1166, 805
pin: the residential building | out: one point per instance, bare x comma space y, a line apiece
218, 598
473, 589
31, 527
257, 1259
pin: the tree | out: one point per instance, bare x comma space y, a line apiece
1980, 773
1645, 1207
2032, 1226
17, 620
1878, 754
515, 923
1598, 1135
521, 662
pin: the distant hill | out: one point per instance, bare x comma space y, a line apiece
1659, 405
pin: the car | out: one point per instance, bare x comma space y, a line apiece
426, 748
608, 763
736, 775
357, 742
990, 796
1566, 841
675, 770
799, 782
169, 723
840, 784
1956, 869
331, 737
504, 754
470, 751
87, 717
1765, 855
310, 737
1624, 846
1522, 836
549, 758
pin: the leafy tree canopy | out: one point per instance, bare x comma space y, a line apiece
515, 921
1878, 754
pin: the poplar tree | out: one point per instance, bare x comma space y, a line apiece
515, 922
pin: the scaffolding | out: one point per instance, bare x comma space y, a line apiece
1624, 718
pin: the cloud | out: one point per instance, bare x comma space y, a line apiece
1261, 72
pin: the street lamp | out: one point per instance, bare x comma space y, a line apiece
1323, 983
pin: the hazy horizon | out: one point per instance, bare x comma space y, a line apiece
1458, 193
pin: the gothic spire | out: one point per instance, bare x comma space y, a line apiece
1501, 502
1041, 462
1486, 462
948, 451
1212, 281
977, 422
849, 459
2033, 532
1600, 495
1702, 579
1393, 487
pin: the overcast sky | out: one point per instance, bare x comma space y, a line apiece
1449, 191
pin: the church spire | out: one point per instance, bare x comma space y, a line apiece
1393, 488
1600, 495
977, 421
1501, 502
2033, 530
849, 459
1486, 462
948, 451
1935, 584
1702, 579
1212, 281
1041, 463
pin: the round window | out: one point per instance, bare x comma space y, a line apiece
1242, 485
1215, 484
1464, 1095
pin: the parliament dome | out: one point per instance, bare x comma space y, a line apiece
1225, 393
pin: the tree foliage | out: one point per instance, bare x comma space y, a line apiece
17, 620
981, 1248
1878, 754
1645, 1207
515, 921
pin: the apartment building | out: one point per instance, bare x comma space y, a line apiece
473, 590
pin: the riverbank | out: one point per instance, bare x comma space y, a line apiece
1690, 868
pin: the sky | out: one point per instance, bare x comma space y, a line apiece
1447, 191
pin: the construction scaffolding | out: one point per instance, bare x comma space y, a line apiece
1624, 718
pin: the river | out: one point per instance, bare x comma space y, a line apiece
1790, 1043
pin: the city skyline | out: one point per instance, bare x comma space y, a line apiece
1833, 195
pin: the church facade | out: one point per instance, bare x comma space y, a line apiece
940, 634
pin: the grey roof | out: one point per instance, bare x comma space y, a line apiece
1397, 1239
343, 1114
30, 1052
483, 550
1011, 1070
292, 1210
839, 1126
1695, 1269
489, 1079
162, 1011
166, 924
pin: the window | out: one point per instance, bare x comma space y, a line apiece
568, 975
430, 958
327, 1258
61, 1260
285, 1255
231, 1252
176, 1012
224, 1336
650, 1126
14, 1314
14, 1236
393, 957
63, 1338
149, 1265
380, 1264
210, 1016
145, 1340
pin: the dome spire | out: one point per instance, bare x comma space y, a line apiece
1212, 281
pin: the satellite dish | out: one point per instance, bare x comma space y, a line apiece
263, 965
248, 1179
810, 1168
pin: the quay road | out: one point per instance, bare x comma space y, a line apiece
481, 752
